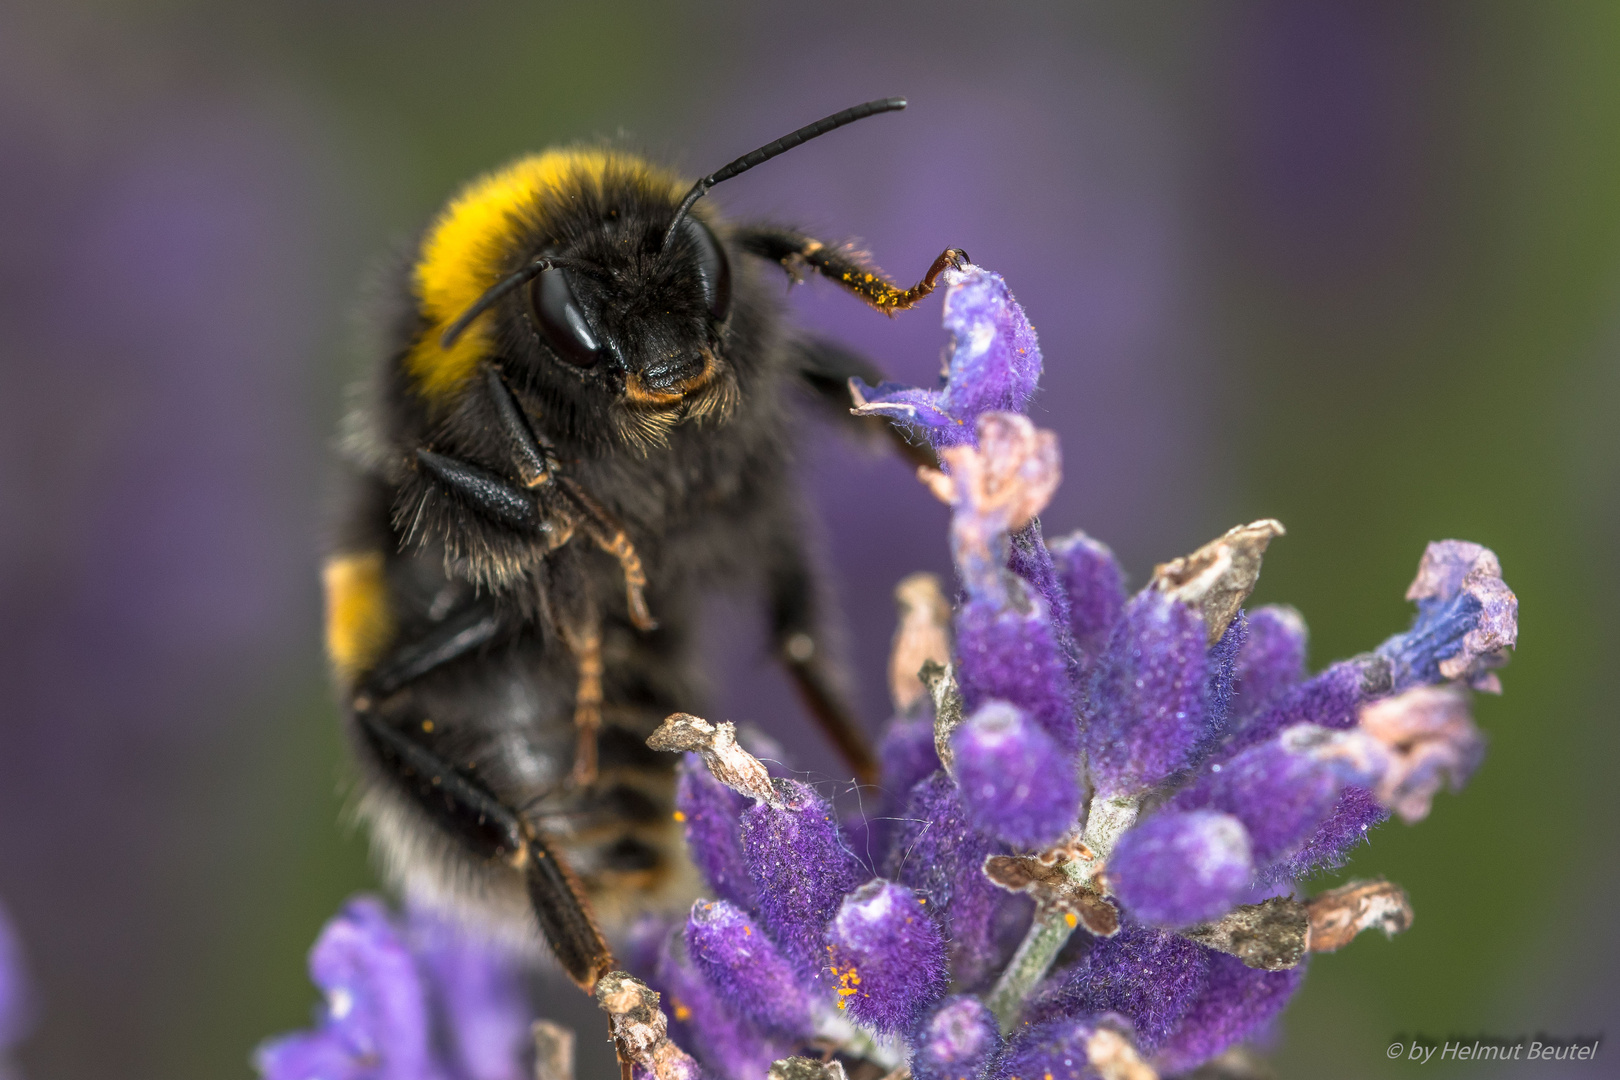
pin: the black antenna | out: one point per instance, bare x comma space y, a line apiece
780, 146
506, 285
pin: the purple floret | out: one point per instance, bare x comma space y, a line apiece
906, 756
798, 861
1332, 698
482, 998
375, 1023
1271, 661
1355, 814
955, 1041
1467, 619
1236, 1003
886, 955
994, 364
1176, 869
1148, 976
1095, 586
1028, 557
1016, 782
744, 965
704, 1023
1147, 696
1053, 1048
405, 1003
712, 814
1279, 795
1221, 682
940, 855
1015, 656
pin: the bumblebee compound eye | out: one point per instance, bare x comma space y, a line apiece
561, 319
713, 268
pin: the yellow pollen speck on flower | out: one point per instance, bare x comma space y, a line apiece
682, 1012
1071, 919
679, 816
748, 931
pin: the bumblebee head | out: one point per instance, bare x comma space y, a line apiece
598, 271
639, 325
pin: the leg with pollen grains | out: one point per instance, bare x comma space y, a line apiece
845, 266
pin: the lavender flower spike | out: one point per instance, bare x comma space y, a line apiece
1016, 782
799, 864
887, 954
955, 1041
995, 363
1176, 869
744, 965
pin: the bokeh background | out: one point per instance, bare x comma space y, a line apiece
1355, 265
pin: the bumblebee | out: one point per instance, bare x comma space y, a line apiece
580, 422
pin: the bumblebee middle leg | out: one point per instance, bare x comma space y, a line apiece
797, 632
464, 808
845, 265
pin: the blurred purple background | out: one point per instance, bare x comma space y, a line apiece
1353, 265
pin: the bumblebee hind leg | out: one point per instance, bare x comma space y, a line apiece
464, 808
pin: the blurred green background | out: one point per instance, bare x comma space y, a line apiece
1352, 265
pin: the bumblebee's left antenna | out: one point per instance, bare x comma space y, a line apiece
780, 146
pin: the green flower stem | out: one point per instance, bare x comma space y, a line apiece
1049, 932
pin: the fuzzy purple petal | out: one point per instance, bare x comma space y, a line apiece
1147, 695
1280, 796
1175, 869
801, 867
478, 988
1028, 557
1148, 976
1053, 1048
1016, 656
704, 1024
886, 956
745, 967
1220, 682
376, 1012
955, 1041
1095, 585
1346, 826
940, 855
994, 363
1236, 1003
1271, 661
712, 814
322, 1054
1332, 699
1016, 782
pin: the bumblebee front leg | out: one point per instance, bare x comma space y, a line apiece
467, 810
845, 265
